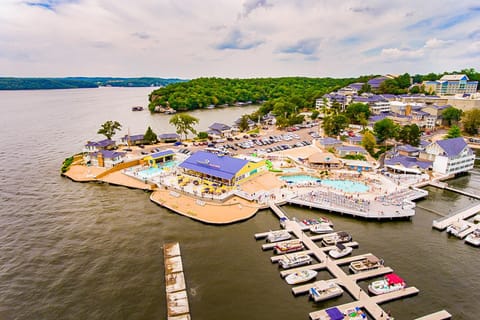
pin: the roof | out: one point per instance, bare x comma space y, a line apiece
168, 136
101, 143
454, 77
355, 138
108, 154
328, 140
350, 148
408, 148
223, 167
161, 154
452, 147
135, 137
322, 157
219, 126
408, 162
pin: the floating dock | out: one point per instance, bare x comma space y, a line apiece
175, 287
440, 315
348, 281
441, 224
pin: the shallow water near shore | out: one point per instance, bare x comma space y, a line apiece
91, 251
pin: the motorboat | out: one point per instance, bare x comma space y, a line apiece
313, 221
294, 260
339, 237
369, 263
322, 227
301, 276
340, 251
325, 289
474, 238
355, 314
391, 282
278, 235
288, 246
457, 227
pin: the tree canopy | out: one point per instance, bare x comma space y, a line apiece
385, 129
150, 136
471, 121
452, 114
202, 92
109, 128
184, 123
453, 132
410, 134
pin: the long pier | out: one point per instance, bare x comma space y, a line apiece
349, 282
175, 286
440, 315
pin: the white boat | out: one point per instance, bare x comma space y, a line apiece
474, 238
339, 237
322, 227
288, 246
391, 282
325, 289
278, 235
340, 251
355, 314
301, 276
476, 219
294, 260
369, 263
457, 227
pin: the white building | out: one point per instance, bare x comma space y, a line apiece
380, 107
450, 156
451, 84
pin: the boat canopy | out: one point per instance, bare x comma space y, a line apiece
340, 246
334, 314
322, 285
393, 279
373, 259
342, 234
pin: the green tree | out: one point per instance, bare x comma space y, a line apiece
471, 121
385, 129
315, 114
365, 88
150, 136
453, 132
355, 109
109, 128
410, 134
334, 124
184, 123
243, 125
369, 142
202, 135
452, 114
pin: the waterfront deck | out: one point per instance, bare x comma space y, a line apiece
440, 315
175, 286
442, 224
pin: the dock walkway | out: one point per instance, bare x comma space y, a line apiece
175, 287
441, 224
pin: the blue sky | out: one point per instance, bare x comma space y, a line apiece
237, 38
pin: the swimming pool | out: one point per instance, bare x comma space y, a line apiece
151, 172
344, 185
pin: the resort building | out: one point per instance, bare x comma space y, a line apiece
168, 137
220, 130
93, 146
357, 165
450, 156
222, 169
133, 140
159, 158
104, 158
355, 140
343, 151
328, 142
323, 160
407, 164
451, 84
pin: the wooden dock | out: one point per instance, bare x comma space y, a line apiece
443, 223
440, 315
175, 286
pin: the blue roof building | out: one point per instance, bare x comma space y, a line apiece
450, 156
222, 169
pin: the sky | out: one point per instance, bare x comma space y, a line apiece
237, 38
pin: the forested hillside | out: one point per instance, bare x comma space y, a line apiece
203, 92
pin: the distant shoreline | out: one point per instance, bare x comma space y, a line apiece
15, 84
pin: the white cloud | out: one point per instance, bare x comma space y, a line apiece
238, 38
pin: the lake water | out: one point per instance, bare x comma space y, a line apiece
91, 251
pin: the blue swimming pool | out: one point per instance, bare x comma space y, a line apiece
344, 185
151, 172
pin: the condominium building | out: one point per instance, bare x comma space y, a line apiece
451, 84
